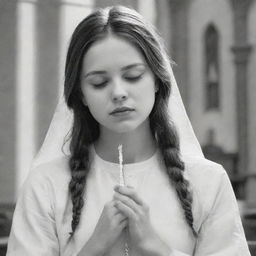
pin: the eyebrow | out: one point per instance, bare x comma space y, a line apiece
132, 66
101, 72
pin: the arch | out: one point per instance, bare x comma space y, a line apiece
212, 70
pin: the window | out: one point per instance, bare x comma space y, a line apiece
212, 76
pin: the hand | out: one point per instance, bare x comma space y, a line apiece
142, 233
109, 227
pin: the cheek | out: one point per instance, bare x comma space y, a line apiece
150, 101
97, 107
90, 96
146, 102
90, 100
148, 92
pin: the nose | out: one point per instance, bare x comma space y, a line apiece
119, 92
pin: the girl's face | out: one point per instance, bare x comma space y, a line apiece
118, 85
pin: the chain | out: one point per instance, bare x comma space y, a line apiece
126, 244
126, 249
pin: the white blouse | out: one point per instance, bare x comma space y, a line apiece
43, 214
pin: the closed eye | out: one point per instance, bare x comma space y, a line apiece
134, 74
99, 85
133, 78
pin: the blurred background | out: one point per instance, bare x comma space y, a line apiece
213, 44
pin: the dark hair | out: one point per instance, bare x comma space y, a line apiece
128, 24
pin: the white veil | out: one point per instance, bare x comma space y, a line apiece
61, 124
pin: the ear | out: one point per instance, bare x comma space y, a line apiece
156, 87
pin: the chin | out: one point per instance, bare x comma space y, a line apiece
126, 126
123, 128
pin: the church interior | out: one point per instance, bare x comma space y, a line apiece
212, 44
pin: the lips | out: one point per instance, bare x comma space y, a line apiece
121, 110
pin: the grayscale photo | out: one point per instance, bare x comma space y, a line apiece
128, 128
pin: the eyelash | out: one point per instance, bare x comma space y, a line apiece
134, 78
100, 85
130, 79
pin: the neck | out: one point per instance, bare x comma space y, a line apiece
138, 145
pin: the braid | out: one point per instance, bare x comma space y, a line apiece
168, 143
79, 170
85, 131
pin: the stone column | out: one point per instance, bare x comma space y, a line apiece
179, 11
47, 68
25, 88
241, 50
163, 23
8, 70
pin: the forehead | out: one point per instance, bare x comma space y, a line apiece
111, 52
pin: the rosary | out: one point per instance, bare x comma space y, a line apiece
122, 183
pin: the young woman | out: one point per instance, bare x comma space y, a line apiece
118, 82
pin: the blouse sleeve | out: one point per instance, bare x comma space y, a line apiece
33, 229
221, 233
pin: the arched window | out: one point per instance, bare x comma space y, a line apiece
212, 74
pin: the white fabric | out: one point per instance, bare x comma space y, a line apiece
62, 122
41, 223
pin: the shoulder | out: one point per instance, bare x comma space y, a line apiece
202, 169
207, 179
53, 174
44, 184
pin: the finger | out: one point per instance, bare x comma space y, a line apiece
120, 217
110, 204
126, 210
129, 191
123, 224
127, 201
110, 207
